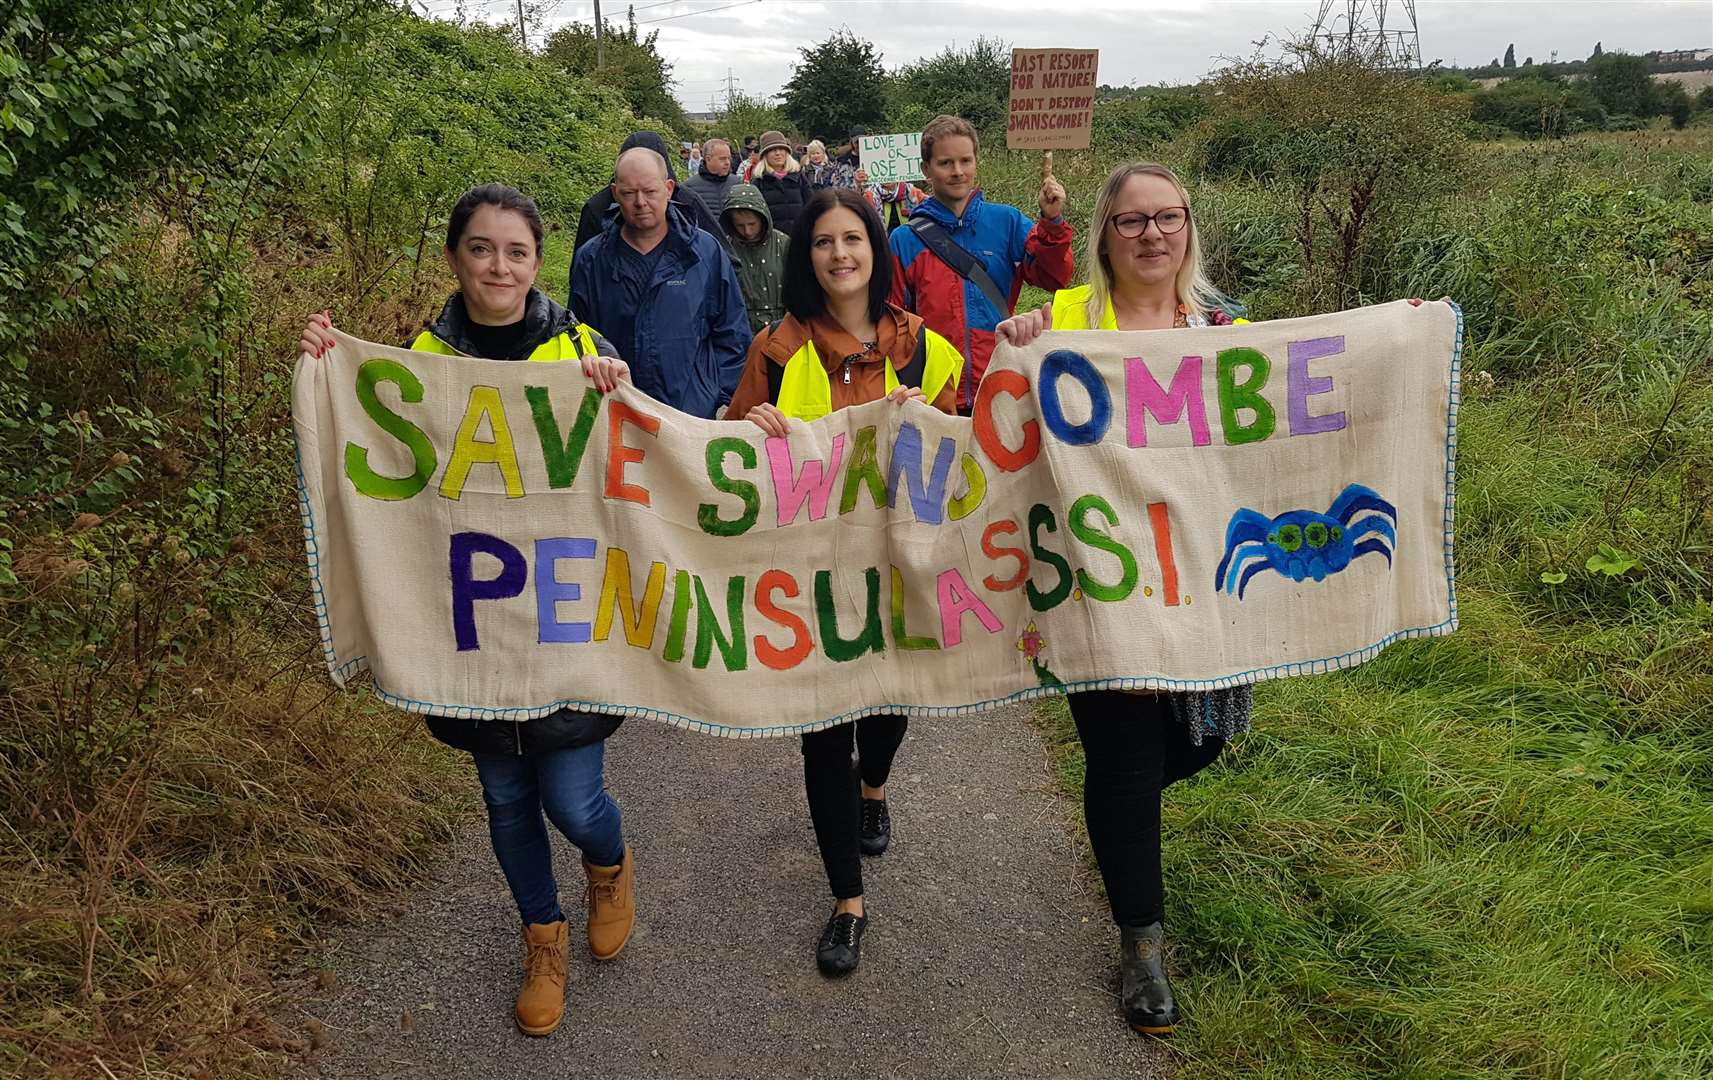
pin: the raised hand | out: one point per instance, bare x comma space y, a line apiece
1026, 326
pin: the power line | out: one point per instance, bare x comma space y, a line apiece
704, 11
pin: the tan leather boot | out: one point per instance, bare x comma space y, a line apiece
541, 1002
612, 909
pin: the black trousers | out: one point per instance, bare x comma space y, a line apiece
835, 800
1134, 748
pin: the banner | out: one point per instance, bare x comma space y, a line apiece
890, 158
1052, 98
1181, 510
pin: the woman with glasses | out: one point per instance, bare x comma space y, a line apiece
1144, 273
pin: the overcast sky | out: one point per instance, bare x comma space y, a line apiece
1141, 41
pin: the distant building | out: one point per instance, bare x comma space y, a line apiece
1684, 56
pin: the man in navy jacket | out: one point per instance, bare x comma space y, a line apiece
663, 291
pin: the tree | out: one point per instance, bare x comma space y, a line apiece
745, 116
1621, 83
1672, 100
1596, 54
974, 83
634, 66
840, 85
1704, 99
1534, 107
1510, 56
1528, 61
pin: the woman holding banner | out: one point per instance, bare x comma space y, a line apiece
555, 763
837, 275
1144, 270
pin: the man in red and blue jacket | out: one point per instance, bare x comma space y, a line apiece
1004, 242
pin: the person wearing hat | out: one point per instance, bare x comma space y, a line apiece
781, 181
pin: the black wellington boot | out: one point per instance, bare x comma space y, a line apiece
1147, 993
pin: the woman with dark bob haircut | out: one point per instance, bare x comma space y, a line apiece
842, 344
553, 764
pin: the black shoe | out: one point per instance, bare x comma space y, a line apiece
1147, 994
876, 827
840, 949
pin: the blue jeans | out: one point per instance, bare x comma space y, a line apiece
568, 784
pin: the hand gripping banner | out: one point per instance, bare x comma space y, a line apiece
1180, 510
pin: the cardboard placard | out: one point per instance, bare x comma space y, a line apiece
888, 159
1052, 98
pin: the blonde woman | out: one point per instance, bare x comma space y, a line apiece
1144, 272
823, 171
781, 181
1144, 268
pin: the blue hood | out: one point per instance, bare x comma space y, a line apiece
934, 208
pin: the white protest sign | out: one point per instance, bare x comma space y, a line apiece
890, 158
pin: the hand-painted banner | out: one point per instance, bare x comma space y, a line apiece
1184, 509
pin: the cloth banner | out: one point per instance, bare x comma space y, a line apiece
1181, 510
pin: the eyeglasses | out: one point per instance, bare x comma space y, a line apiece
1169, 220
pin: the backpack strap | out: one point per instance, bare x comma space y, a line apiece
963, 263
911, 374
775, 372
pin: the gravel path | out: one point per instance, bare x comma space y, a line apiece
986, 954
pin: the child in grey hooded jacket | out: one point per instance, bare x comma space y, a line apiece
759, 249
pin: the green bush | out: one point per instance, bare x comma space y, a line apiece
1538, 107
108, 102
1355, 146
972, 82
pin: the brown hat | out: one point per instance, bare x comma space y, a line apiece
771, 139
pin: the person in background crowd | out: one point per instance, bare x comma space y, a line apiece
751, 159
849, 154
836, 282
692, 160
892, 201
1008, 250
781, 181
600, 208
713, 180
760, 249
668, 291
555, 763
822, 171
1144, 266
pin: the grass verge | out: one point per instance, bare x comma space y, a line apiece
1486, 855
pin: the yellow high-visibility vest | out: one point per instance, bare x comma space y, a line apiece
1070, 311
803, 389
577, 342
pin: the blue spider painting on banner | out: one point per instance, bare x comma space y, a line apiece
1302, 544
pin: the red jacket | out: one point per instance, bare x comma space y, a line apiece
1006, 242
